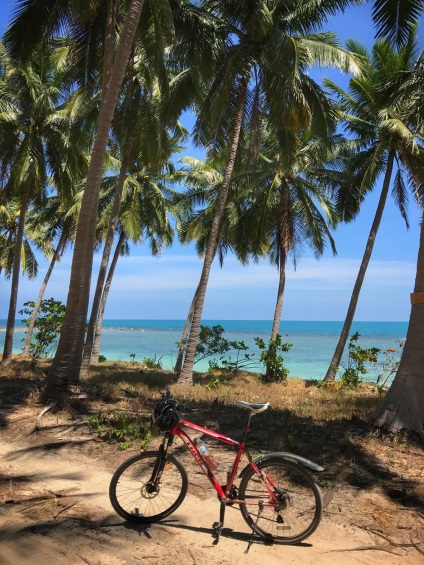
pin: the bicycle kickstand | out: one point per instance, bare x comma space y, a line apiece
218, 526
260, 510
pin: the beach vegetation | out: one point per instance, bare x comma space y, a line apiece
34, 146
211, 342
286, 204
152, 362
358, 360
385, 140
272, 359
90, 99
48, 325
120, 427
260, 80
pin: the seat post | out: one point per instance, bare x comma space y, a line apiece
246, 428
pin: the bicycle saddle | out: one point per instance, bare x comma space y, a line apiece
255, 407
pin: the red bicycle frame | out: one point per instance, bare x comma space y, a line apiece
241, 450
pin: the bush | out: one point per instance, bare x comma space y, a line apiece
357, 357
48, 326
272, 360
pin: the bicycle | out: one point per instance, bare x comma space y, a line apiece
277, 495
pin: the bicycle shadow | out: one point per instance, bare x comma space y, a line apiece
227, 532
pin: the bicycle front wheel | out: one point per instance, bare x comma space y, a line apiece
293, 511
133, 494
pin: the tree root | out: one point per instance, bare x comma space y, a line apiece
46, 409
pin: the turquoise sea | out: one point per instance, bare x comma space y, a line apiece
313, 342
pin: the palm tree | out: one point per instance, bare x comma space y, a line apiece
394, 19
62, 229
383, 134
143, 218
51, 15
194, 211
402, 408
33, 138
261, 76
287, 189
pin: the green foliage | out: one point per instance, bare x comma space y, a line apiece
122, 428
241, 362
272, 360
152, 362
102, 359
132, 357
357, 358
214, 383
211, 342
48, 326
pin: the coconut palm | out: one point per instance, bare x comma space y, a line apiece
37, 237
395, 18
140, 113
262, 76
158, 28
288, 205
402, 408
34, 137
61, 228
194, 210
384, 134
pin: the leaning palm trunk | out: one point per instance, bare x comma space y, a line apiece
403, 406
103, 265
96, 344
66, 365
186, 375
10, 327
335, 362
58, 252
280, 298
186, 331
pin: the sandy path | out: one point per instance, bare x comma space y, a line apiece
81, 527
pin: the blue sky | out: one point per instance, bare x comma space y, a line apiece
149, 288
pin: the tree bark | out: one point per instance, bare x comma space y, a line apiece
10, 326
66, 365
280, 296
109, 45
59, 250
96, 345
186, 331
341, 344
186, 375
104, 264
402, 409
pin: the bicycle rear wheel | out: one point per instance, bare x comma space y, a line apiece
298, 510
135, 498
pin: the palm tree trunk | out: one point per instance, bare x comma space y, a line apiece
186, 375
66, 365
96, 344
10, 327
109, 45
59, 250
403, 406
280, 296
186, 331
335, 362
104, 264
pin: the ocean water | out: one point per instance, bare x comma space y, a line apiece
312, 350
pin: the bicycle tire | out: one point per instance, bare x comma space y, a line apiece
129, 494
300, 502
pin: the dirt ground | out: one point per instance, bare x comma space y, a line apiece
54, 508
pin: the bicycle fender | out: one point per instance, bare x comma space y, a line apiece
302, 461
